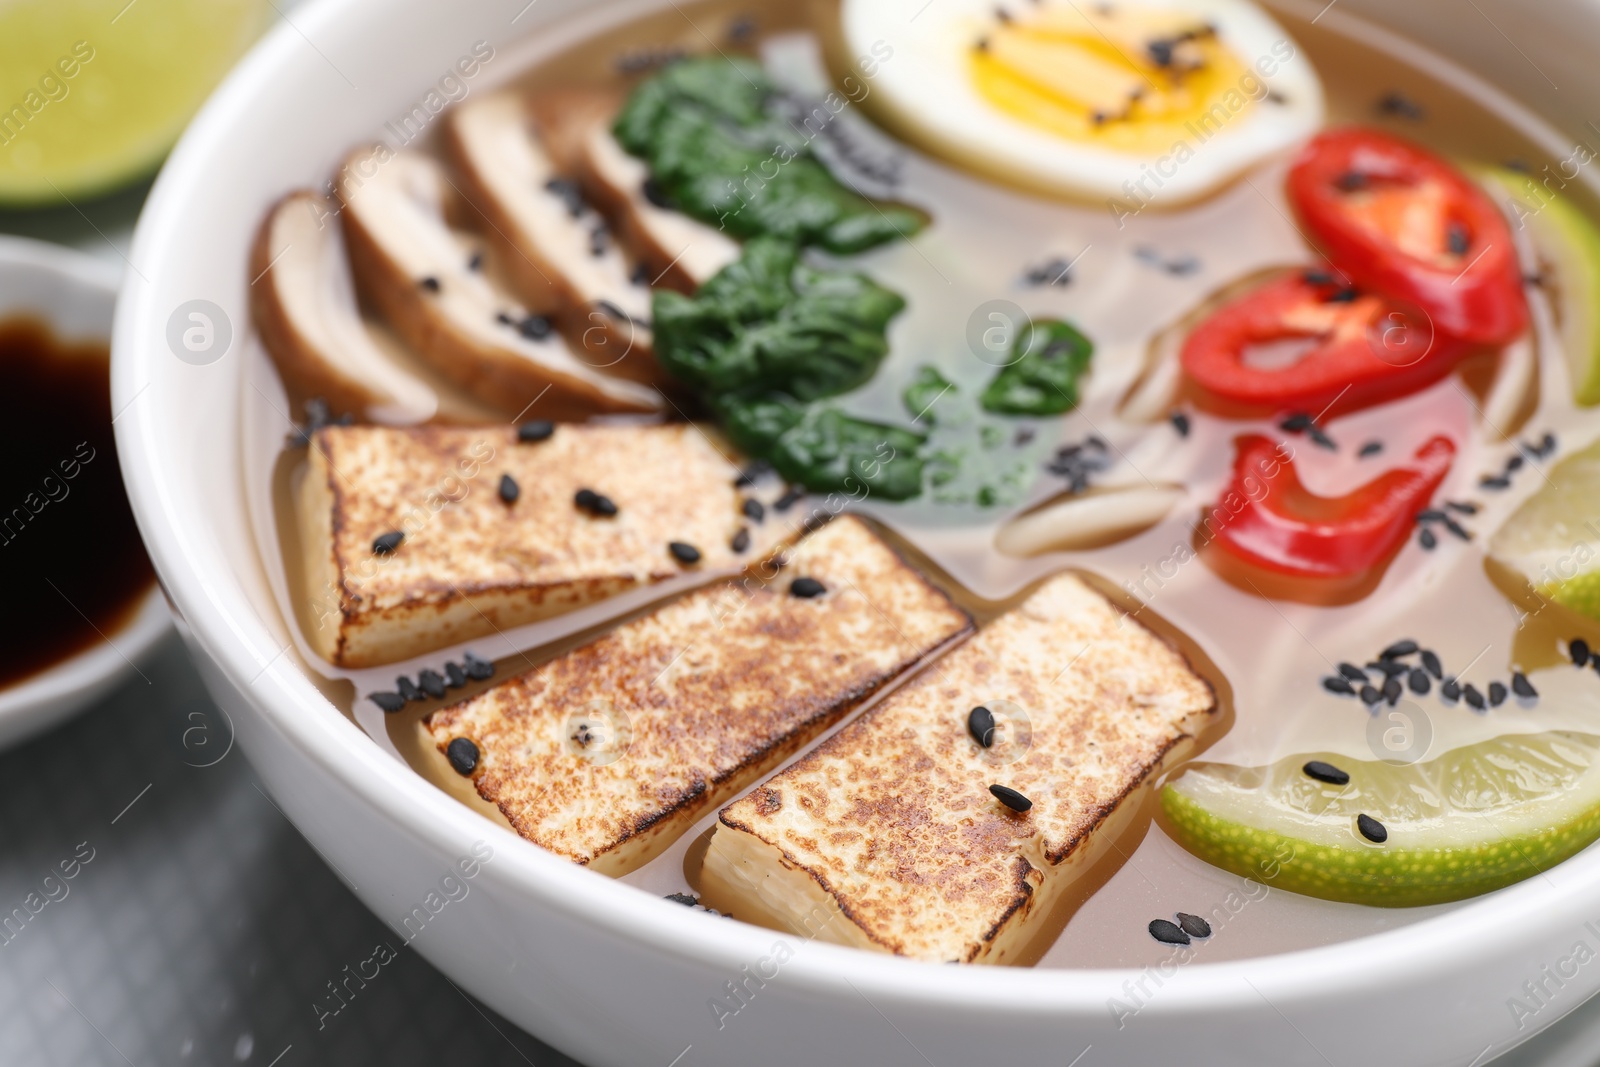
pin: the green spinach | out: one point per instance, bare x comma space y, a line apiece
1048, 359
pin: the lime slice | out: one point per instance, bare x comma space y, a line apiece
1553, 539
94, 92
1474, 819
1567, 243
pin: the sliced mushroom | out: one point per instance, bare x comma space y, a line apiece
426, 278
305, 311
679, 252
556, 250
1089, 520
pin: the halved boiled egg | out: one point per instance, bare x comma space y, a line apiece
1143, 102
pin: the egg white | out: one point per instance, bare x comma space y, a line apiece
924, 90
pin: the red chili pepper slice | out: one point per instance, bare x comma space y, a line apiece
1268, 518
1358, 348
1400, 221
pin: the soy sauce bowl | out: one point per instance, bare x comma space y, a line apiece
74, 296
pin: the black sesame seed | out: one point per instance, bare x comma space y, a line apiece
509, 491
753, 510
1430, 515
478, 669
454, 676
384, 544
683, 552
1494, 481
432, 683
1473, 698
1463, 507
1321, 439
653, 193
686, 899
408, 689
1522, 687
463, 755
752, 474
1168, 932
388, 702
980, 724
1317, 277
1388, 666
640, 275
1431, 664
741, 540
1497, 694
430, 283
594, 503
1296, 423
788, 500
1372, 829
1578, 649
1326, 772
1193, 925
537, 430
1352, 672
1400, 106
1371, 448
1419, 681
1370, 695
534, 327
1457, 239
1450, 689
1347, 295
1513, 463
1391, 691
1010, 798
1350, 181
1428, 540
503, 319
1180, 422
1406, 647
806, 588
1336, 684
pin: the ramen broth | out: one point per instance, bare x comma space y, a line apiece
1265, 657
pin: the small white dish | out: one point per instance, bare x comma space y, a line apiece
75, 295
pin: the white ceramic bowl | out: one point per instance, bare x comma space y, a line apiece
601, 970
75, 295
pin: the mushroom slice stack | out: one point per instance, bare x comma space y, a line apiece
554, 248
678, 251
305, 309
428, 280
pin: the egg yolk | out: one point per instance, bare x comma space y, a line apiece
1130, 82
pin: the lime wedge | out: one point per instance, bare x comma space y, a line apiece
1553, 539
94, 92
1567, 243
1474, 819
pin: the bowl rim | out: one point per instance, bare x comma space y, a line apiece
37, 700
220, 621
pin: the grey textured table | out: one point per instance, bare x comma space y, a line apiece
203, 927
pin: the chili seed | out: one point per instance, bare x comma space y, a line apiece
454, 676
684, 552
806, 588
741, 540
1326, 772
537, 430
1406, 647
1473, 698
1010, 798
1522, 687
1352, 672
463, 755
1372, 829
1431, 664
1193, 925
388, 702
478, 669
1336, 684
753, 509
1418, 680
432, 683
408, 689
1578, 649
1168, 932
509, 490
430, 283
384, 544
980, 724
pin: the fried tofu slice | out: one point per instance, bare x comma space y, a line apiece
610, 752
887, 837
472, 563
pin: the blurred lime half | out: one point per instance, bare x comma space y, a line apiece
1553, 539
94, 92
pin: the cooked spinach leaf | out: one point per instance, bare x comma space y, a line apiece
1048, 359
924, 392
829, 451
722, 149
